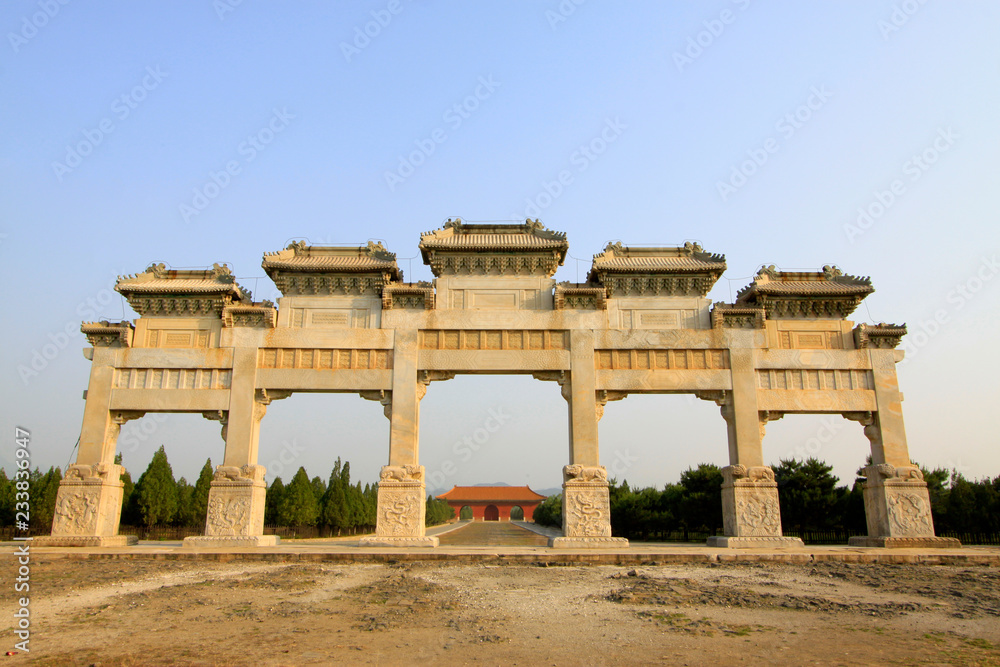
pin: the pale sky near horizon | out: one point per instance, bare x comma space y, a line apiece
762, 130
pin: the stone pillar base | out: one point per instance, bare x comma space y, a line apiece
231, 542
750, 508
401, 509
236, 505
726, 542
588, 543
897, 504
376, 541
85, 541
88, 506
586, 510
906, 542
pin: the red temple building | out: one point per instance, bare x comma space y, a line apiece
493, 503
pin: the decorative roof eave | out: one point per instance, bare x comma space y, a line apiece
262, 315
805, 294
580, 297
489, 249
401, 295
108, 334
480, 494
673, 270
159, 291
732, 316
881, 335
299, 258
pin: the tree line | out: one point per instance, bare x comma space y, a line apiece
810, 499
336, 506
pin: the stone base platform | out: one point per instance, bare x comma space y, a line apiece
588, 543
724, 542
375, 541
235, 542
906, 542
85, 541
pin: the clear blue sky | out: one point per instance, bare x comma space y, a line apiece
116, 115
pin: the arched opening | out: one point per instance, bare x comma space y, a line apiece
516, 513
465, 514
491, 513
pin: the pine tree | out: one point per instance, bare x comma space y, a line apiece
157, 491
199, 499
44, 488
333, 503
127, 489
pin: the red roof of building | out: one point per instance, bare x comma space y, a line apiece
492, 494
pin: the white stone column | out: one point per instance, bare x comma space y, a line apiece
586, 507
751, 515
89, 501
897, 505
401, 489
236, 497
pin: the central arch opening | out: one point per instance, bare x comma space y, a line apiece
491, 513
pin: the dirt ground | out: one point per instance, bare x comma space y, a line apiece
155, 612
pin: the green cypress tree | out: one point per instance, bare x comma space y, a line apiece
43, 500
198, 512
128, 487
157, 491
332, 505
7, 491
185, 492
272, 502
298, 506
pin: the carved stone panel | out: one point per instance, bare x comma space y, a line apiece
89, 501
750, 502
236, 502
896, 502
586, 505
401, 498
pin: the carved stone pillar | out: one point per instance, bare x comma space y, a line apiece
897, 505
236, 497
586, 507
751, 514
401, 488
89, 501
586, 510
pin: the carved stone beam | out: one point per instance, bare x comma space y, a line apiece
767, 416
221, 416
603, 396
382, 396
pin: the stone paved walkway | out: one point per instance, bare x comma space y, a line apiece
493, 533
